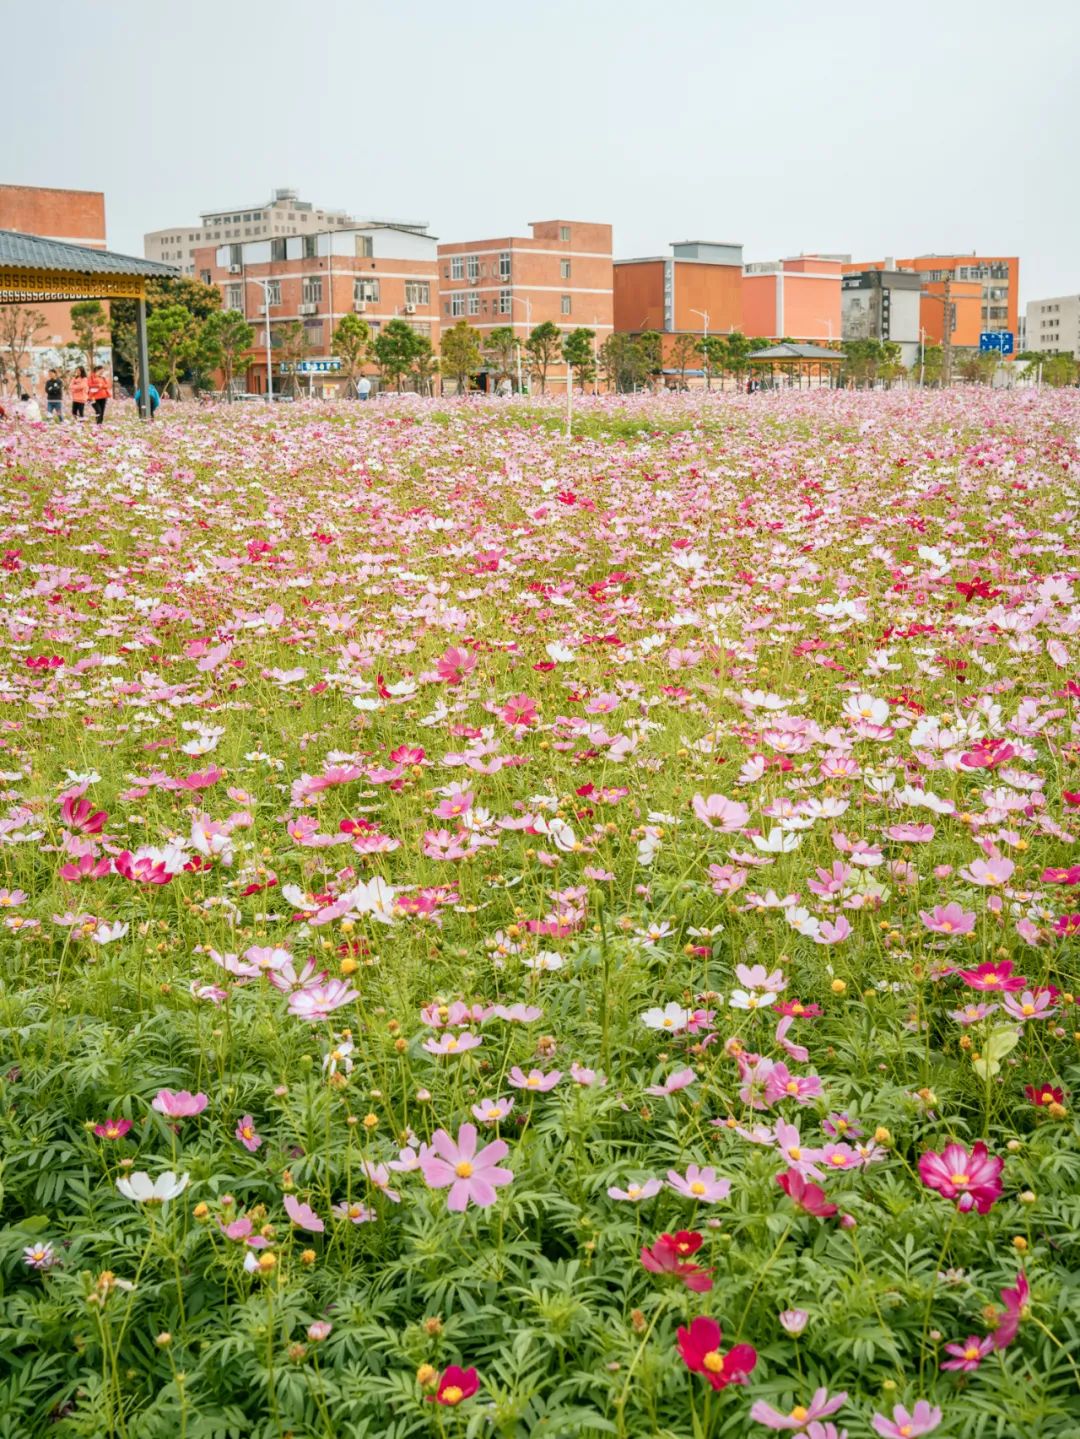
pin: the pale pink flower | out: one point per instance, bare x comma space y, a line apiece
700, 1184
471, 1177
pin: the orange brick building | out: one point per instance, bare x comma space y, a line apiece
985, 293
797, 299
698, 290
75, 216
379, 271
561, 273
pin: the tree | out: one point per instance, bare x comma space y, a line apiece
737, 351
652, 351
578, 353
861, 360
425, 365
501, 350
172, 336
201, 300
226, 335
624, 362
930, 366
351, 344
19, 327
683, 352
396, 351
713, 352
543, 347
292, 344
90, 323
461, 356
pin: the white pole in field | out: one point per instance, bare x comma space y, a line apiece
569, 400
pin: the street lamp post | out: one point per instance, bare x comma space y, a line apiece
705, 346
265, 287
517, 300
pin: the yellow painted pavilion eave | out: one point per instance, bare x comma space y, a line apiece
25, 285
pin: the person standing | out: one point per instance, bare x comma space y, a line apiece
54, 395
80, 387
363, 388
99, 392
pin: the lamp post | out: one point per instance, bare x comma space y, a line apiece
265, 287
705, 346
517, 300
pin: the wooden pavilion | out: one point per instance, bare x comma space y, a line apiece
36, 271
798, 360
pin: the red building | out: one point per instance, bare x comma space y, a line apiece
695, 291
796, 299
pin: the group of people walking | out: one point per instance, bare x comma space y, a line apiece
94, 388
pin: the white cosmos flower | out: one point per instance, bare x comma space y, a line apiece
776, 842
561, 654
144, 1190
106, 933
376, 898
672, 1018
546, 959
803, 922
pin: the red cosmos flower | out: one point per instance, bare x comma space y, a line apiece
1061, 876
81, 815
797, 1009
455, 1386
997, 978
519, 710
988, 754
808, 1197
700, 1349
1067, 924
1071, 797
668, 1254
1016, 1308
1044, 1094
973, 1180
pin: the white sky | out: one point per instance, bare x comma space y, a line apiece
831, 125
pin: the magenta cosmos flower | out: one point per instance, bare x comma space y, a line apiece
179, 1105
820, 1407
112, 1128
699, 1346
471, 1177
904, 1425
973, 1180
968, 1355
997, 978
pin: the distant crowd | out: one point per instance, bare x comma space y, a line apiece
94, 390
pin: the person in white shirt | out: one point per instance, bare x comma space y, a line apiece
363, 387
29, 408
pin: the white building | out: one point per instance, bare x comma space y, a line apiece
1053, 326
883, 305
283, 214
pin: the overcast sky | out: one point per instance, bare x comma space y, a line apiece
863, 128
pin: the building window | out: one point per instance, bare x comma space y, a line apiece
472, 266
564, 269
457, 267
312, 290
236, 254
457, 305
366, 290
234, 297
417, 292
309, 247
313, 330
504, 265
506, 302
564, 232
364, 247
204, 276
474, 303
277, 249
565, 305
273, 292
420, 327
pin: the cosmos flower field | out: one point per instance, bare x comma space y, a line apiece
513, 936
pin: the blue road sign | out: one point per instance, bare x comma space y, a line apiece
999, 340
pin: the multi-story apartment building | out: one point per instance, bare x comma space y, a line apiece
984, 292
883, 305
379, 271
697, 290
1053, 326
283, 214
78, 218
796, 299
561, 273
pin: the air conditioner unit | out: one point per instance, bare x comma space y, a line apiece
309, 309
263, 309
475, 280
360, 307
235, 269
410, 309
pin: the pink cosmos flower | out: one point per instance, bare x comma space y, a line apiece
835, 1157
320, 1000
699, 1184
242, 1231
699, 1346
302, 1215
990, 872
782, 1084
378, 1176
794, 1321
820, 1407
973, 1180
997, 977
181, 1105
1016, 1308
719, 813
904, 1425
669, 1255
1032, 1004
492, 1111
245, 1132
674, 1082
536, 1080
354, 1212
519, 710
112, 1128
948, 919
471, 1177
635, 1193
968, 1355
810, 1198
448, 1043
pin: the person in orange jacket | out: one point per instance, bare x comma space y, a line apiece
79, 387
99, 392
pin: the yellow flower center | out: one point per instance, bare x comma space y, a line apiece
668, 1023
795, 1152
840, 1125
971, 1352
697, 1187
906, 1430
633, 1190
452, 1394
991, 979
791, 1087
247, 1131
463, 1169
495, 1112
800, 1414
837, 1159
946, 925
1027, 1009
714, 1361
451, 1043
959, 1179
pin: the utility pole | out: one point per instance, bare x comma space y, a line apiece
946, 331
